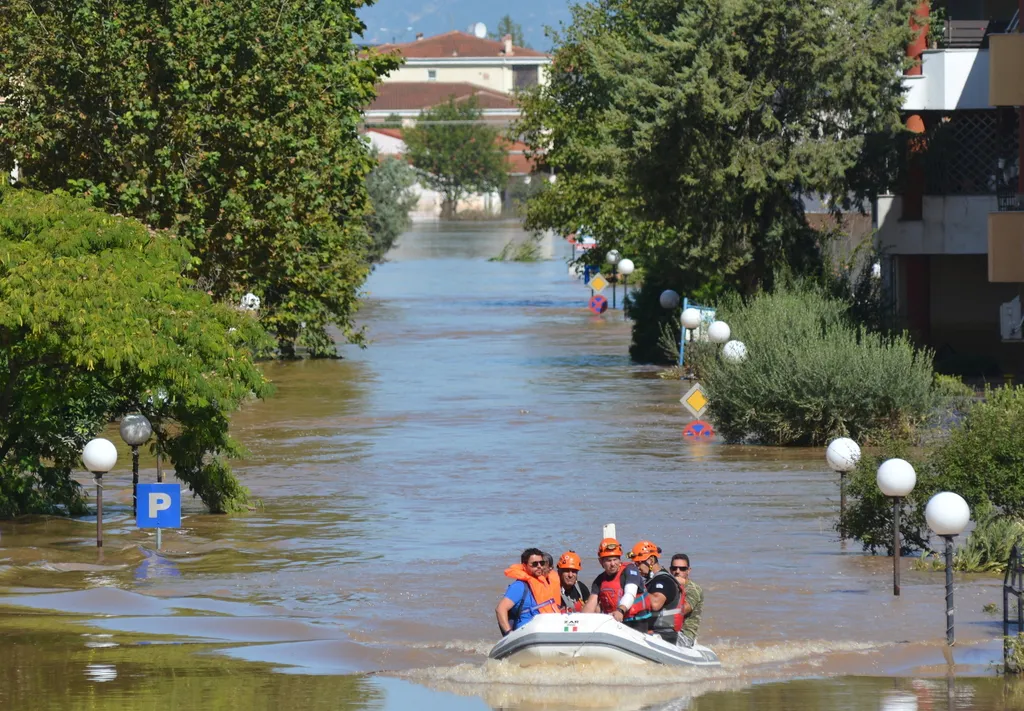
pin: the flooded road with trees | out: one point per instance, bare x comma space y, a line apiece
490, 412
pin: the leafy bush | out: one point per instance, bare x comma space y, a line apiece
982, 459
812, 375
987, 549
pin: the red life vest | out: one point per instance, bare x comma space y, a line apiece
611, 591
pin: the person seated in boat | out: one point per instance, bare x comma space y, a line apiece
664, 595
549, 563
693, 599
532, 593
619, 590
574, 593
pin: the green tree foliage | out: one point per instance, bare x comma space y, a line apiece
96, 320
981, 459
232, 122
811, 374
685, 134
389, 185
456, 152
507, 27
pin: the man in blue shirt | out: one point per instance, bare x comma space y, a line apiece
519, 605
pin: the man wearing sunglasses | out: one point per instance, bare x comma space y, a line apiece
693, 608
535, 591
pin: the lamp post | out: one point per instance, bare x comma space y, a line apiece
613, 258
625, 268
135, 430
99, 457
947, 515
719, 332
896, 478
842, 456
734, 352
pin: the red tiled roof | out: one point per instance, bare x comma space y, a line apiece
399, 96
518, 162
392, 132
456, 44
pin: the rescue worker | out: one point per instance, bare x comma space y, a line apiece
531, 594
693, 599
619, 590
664, 595
574, 593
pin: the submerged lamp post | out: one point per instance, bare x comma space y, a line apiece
135, 430
613, 257
947, 515
842, 456
669, 300
734, 352
896, 478
625, 268
99, 457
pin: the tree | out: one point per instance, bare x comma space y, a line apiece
232, 123
456, 152
96, 320
389, 185
686, 134
507, 27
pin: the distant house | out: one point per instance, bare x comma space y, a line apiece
461, 58
408, 99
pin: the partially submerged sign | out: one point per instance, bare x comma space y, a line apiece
695, 401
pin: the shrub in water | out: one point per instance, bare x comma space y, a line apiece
811, 374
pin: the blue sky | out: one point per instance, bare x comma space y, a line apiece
391, 20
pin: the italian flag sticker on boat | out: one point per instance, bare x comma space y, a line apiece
575, 628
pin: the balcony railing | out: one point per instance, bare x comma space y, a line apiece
1010, 200
972, 34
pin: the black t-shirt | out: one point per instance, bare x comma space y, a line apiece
665, 584
577, 592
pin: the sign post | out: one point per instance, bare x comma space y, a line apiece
159, 508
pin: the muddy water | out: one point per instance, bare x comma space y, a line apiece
490, 412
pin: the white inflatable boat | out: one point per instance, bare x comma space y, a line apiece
554, 638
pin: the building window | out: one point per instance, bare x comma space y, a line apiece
524, 77
431, 75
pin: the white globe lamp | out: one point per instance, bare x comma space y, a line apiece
734, 352
842, 455
613, 256
669, 299
625, 267
719, 332
691, 318
99, 457
896, 477
947, 514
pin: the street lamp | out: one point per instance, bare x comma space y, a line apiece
669, 300
99, 457
896, 478
613, 258
842, 456
734, 352
135, 430
719, 332
947, 515
625, 268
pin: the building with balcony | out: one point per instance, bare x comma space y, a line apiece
461, 58
952, 233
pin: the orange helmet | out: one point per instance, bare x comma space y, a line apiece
569, 561
642, 551
609, 548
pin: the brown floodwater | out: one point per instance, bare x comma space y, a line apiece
490, 412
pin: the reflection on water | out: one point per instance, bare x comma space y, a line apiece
490, 412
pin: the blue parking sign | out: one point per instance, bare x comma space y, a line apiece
159, 506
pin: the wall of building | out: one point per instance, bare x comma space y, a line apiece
951, 224
490, 76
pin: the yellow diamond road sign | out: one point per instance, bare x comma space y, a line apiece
598, 283
695, 400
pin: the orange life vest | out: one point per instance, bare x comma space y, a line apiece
611, 592
547, 593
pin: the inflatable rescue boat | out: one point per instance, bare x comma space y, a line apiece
553, 638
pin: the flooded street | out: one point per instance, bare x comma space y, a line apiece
490, 412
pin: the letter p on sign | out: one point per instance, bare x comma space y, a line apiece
159, 506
